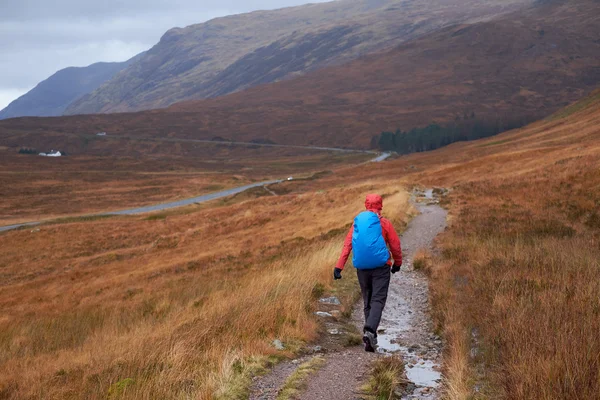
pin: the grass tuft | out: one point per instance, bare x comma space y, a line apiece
422, 260
297, 381
387, 378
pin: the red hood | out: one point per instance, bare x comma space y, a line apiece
374, 203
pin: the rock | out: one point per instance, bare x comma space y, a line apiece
334, 331
278, 345
413, 348
316, 349
35, 230
381, 330
330, 300
336, 313
323, 314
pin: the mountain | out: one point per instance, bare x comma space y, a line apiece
516, 68
52, 96
511, 70
230, 54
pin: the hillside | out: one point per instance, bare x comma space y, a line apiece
143, 306
509, 70
229, 54
52, 96
515, 286
514, 70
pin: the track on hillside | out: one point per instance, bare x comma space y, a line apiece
406, 328
184, 202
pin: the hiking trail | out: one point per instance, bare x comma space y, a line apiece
406, 328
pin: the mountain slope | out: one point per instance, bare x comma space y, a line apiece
514, 69
52, 96
228, 54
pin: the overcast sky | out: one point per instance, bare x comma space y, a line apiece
39, 37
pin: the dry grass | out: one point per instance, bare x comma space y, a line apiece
188, 305
519, 274
518, 277
36, 188
422, 260
297, 381
386, 378
185, 306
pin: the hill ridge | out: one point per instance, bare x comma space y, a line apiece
53, 95
192, 62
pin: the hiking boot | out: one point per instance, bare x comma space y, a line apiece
370, 341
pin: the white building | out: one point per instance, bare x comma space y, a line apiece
51, 154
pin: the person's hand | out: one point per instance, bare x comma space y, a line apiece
337, 274
395, 268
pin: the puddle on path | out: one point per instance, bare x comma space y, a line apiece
424, 374
406, 326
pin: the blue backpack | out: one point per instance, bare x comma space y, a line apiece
368, 245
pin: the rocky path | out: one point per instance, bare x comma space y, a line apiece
406, 320
406, 328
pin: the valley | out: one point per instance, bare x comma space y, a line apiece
504, 72
162, 265
37, 188
107, 291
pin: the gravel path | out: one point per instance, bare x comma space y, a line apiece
406, 328
406, 320
341, 377
266, 388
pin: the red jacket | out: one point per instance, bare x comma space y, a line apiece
375, 204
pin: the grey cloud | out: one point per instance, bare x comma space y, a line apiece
41, 9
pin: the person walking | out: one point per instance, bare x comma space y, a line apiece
368, 240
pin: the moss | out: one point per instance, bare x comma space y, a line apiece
297, 381
156, 217
118, 389
318, 290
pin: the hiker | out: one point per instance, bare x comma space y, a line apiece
369, 238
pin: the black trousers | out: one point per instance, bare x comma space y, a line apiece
374, 284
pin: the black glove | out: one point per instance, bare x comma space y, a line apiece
337, 274
395, 268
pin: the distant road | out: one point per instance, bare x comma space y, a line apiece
248, 144
11, 227
186, 202
179, 203
382, 157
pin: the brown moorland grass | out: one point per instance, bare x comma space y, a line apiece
36, 188
518, 277
185, 306
129, 307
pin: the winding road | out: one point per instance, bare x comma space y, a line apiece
246, 144
185, 202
